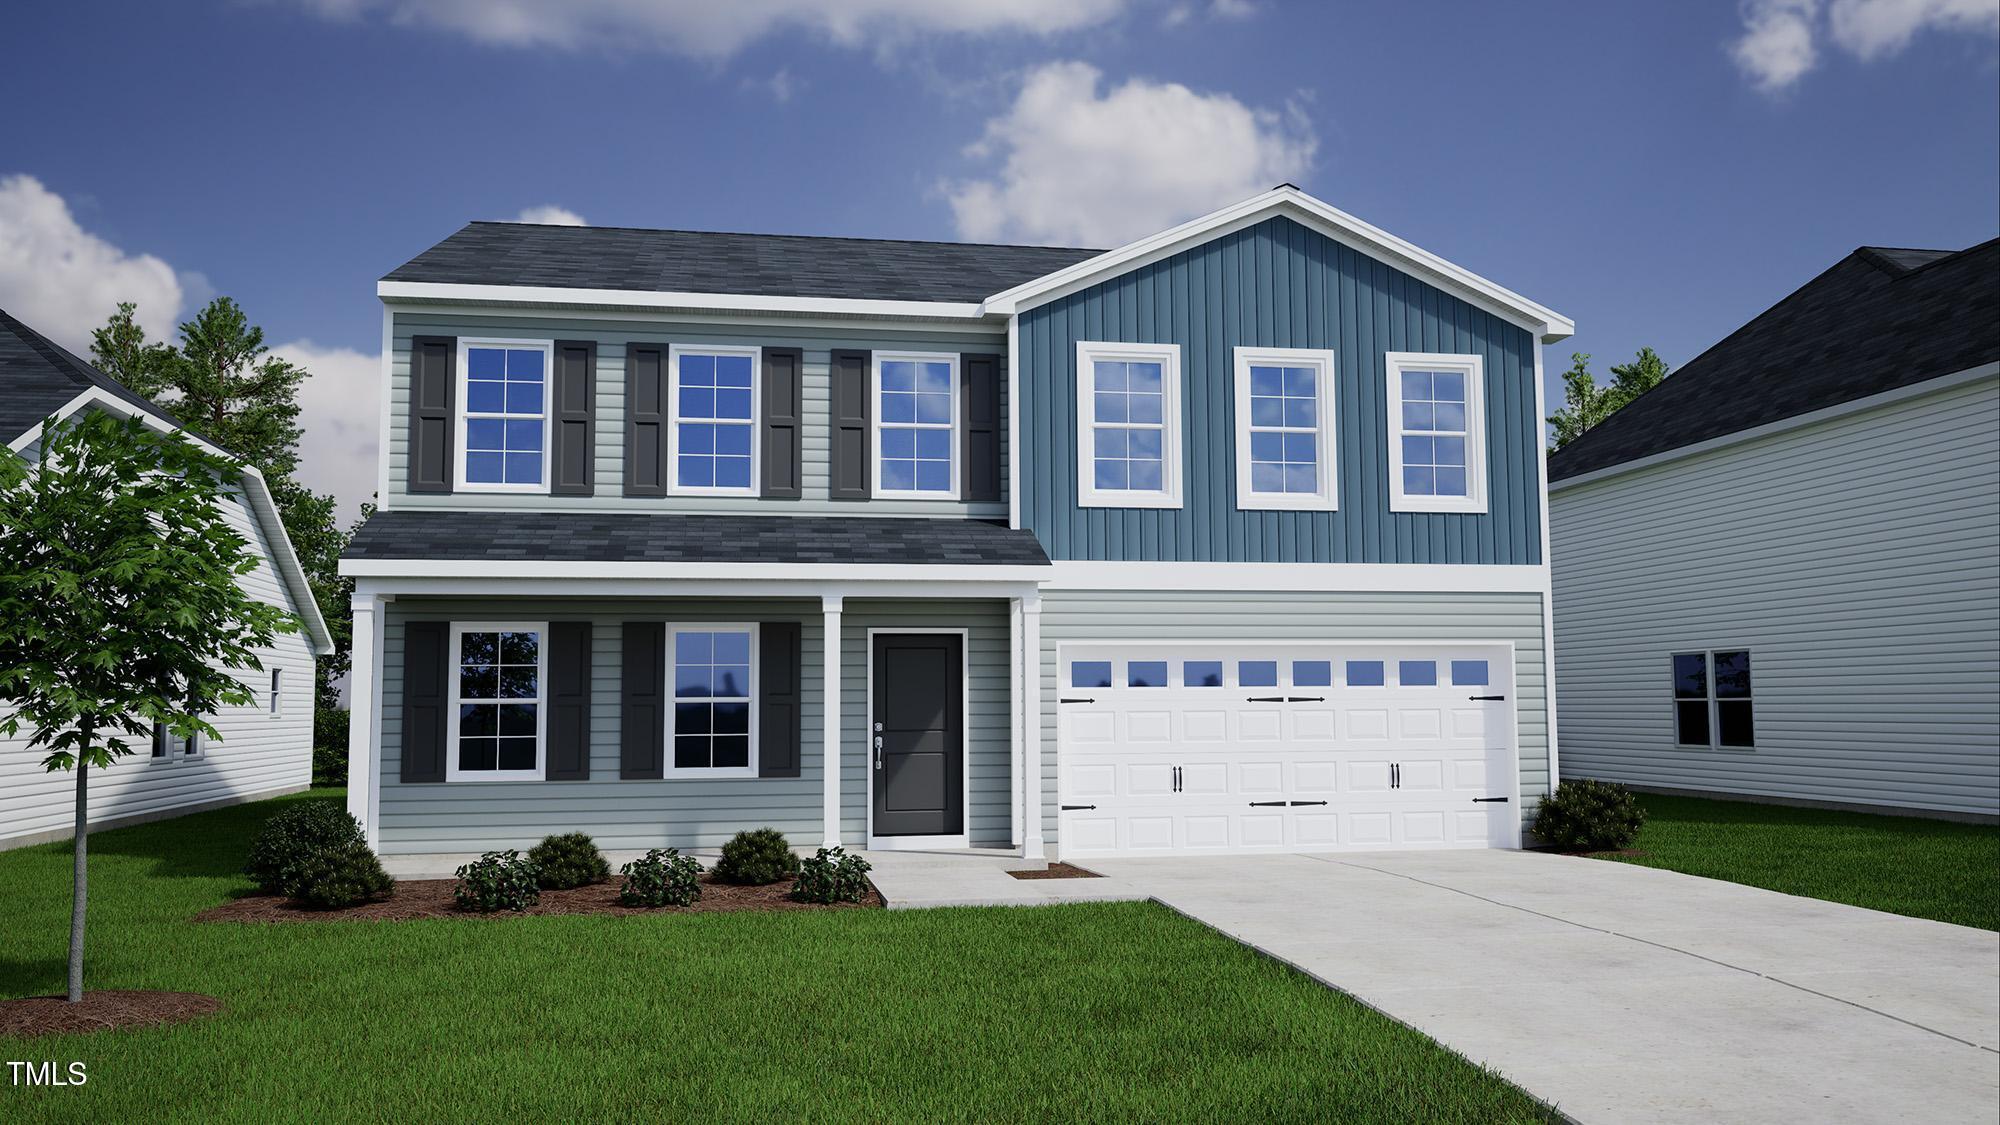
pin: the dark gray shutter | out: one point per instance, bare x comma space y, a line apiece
778, 682
646, 420
850, 426
782, 438
426, 684
433, 388
979, 399
642, 717
573, 436
569, 701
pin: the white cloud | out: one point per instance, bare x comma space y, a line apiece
1097, 169
339, 410
548, 214
1781, 38
64, 281
718, 28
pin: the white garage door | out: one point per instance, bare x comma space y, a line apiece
1285, 747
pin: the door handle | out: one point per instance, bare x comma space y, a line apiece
878, 751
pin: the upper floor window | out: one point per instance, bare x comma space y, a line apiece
1284, 428
504, 421
1712, 704
916, 436
1437, 433
1128, 425
714, 392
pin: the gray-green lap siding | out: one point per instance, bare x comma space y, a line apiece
612, 335
1162, 615
1277, 284
695, 813
1858, 559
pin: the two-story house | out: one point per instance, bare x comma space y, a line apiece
1230, 539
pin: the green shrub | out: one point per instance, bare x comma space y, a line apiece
287, 839
569, 860
661, 877
1583, 815
339, 875
756, 857
832, 875
497, 881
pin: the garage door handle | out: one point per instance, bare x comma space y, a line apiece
1486, 698
1073, 808
1076, 701
1297, 803
1489, 800
1266, 804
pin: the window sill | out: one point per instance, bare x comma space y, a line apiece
510, 777
948, 497
503, 489
1433, 507
1303, 503
710, 774
1135, 500
692, 490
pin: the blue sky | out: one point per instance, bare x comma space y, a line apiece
1659, 172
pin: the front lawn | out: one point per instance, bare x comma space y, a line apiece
1904, 865
1088, 1012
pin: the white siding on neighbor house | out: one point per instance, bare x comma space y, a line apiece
1857, 558
1140, 615
612, 335
259, 754
693, 812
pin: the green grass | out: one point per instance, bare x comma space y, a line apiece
1087, 1012
1904, 865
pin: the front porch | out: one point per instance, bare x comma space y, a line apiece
876, 658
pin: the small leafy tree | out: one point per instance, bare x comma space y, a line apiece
1585, 404
119, 602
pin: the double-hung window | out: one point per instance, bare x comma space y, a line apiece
715, 693
1128, 425
1437, 432
496, 719
504, 424
171, 747
1284, 429
916, 433
1712, 704
714, 436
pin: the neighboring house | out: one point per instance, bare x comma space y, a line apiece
1778, 573
266, 746
1228, 539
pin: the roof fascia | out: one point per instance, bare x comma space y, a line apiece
673, 299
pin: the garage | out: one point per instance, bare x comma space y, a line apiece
1204, 748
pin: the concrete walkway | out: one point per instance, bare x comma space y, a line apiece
1622, 993
956, 878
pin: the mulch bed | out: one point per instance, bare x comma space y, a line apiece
1057, 871
102, 1011
431, 898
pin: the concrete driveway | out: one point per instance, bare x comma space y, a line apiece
1623, 993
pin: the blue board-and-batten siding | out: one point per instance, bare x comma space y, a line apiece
1277, 284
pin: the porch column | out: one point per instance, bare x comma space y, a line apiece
1031, 723
830, 717
362, 707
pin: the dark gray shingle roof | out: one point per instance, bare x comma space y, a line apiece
1879, 319
38, 375
769, 265
621, 537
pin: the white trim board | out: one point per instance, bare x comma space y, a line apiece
807, 576
1427, 578
1796, 422
1315, 214
255, 491
672, 299
918, 843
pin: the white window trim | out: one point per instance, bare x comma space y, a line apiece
674, 354
1474, 369
462, 412
876, 424
1327, 497
1674, 701
541, 631
1168, 356
277, 702
674, 630
200, 749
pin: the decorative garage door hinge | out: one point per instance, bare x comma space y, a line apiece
1486, 698
1489, 800
1073, 808
1076, 701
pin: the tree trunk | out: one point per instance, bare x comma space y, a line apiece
80, 878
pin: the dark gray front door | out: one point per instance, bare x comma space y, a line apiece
918, 736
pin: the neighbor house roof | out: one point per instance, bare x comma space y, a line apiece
38, 377
1879, 319
579, 537
771, 265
